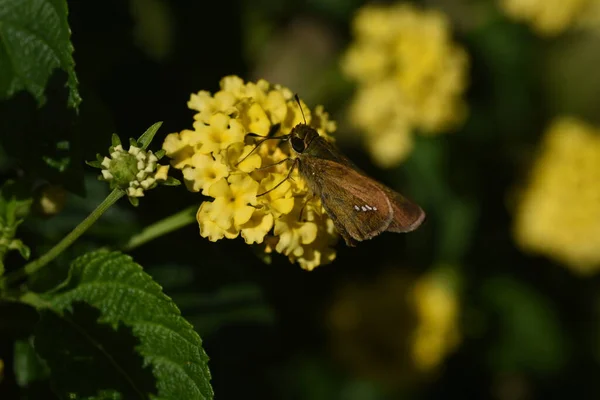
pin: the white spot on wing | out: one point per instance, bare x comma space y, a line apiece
366, 207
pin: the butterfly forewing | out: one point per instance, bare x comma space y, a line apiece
357, 204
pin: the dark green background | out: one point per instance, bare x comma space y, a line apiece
529, 325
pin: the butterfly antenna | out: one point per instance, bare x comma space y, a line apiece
270, 136
257, 145
251, 151
300, 105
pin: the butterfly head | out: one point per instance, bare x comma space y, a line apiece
301, 137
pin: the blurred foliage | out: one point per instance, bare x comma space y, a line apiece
523, 314
35, 41
529, 326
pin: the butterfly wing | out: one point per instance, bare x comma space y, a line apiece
407, 215
358, 205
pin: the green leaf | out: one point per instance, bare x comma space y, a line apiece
35, 40
147, 136
28, 367
124, 299
94, 164
160, 154
22, 366
18, 245
170, 181
15, 203
133, 143
115, 140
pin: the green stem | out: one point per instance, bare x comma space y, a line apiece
68, 240
162, 227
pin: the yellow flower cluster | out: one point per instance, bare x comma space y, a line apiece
551, 17
398, 328
219, 159
410, 76
437, 331
558, 213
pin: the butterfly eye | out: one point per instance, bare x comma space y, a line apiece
297, 144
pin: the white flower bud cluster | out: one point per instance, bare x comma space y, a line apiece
135, 170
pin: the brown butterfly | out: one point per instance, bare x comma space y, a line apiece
360, 207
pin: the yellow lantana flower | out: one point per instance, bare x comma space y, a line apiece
249, 186
235, 199
204, 171
410, 75
551, 17
558, 213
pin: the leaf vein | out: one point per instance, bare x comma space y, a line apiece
167, 328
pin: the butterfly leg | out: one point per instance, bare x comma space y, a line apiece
308, 198
283, 180
258, 144
270, 136
274, 164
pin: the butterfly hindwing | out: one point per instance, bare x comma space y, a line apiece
407, 215
357, 204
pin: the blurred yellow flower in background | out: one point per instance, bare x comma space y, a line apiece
437, 330
398, 328
219, 160
558, 213
551, 17
410, 76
